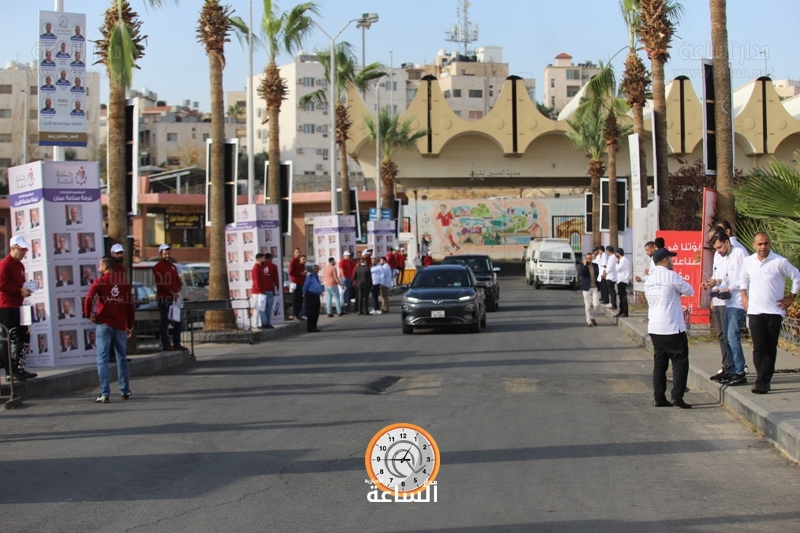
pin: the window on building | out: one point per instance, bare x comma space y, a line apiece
476, 93
258, 112
242, 104
173, 161
456, 93
33, 89
491, 92
5, 162
552, 83
5, 113
552, 101
5, 137
194, 136
475, 115
415, 75
573, 74
258, 134
324, 153
308, 82
308, 128
206, 136
172, 137
572, 91
5, 89
584, 76
390, 85
447, 94
325, 130
309, 106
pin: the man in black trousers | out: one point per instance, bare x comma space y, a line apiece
362, 279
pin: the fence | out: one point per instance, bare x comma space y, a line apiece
790, 330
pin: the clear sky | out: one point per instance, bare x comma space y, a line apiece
531, 33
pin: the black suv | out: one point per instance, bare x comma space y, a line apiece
485, 274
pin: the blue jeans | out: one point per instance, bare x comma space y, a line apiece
163, 308
106, 337
332, 294
266, 314
733, 321
348, 290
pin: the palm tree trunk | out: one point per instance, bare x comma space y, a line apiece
595, 210
217, 275
273, 113
722, 97
638, 129
613, 218
388, 172
345, 178
117, 208
662, 150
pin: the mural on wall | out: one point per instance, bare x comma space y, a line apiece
498, 227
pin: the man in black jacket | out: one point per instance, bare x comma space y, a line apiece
589, 288
362, 278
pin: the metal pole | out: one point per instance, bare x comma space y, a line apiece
332, 133
251, 163
378, 151
364, 47
391, 81
25, 128
58, 151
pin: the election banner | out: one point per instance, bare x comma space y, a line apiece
380, 236
333, 236
62, 79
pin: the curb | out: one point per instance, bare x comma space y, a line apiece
783, 434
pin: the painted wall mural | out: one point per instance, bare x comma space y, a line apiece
497, 227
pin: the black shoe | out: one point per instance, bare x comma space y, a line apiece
126, 396
760, 388
680, 403
719, 376
735, 379
661, 403
19, 376
30, 375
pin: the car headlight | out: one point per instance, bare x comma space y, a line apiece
411, 299
489, 284
466, 298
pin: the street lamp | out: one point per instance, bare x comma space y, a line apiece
367, 17
365, 23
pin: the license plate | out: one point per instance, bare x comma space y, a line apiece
437, 314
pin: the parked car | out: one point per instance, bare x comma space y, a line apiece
550, 262
202, 271
444, 295
148, 319
485, 274
193, 287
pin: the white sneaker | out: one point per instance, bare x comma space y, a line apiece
609, 305
746, 370
378, 312
372, 312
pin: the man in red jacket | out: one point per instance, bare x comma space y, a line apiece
297, 275
12, 293
270, 283
168, 289
109, 304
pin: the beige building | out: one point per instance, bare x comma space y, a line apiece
564, 79
19, 99
787, 88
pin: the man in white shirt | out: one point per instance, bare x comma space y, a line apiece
718, 314
610, 277
649, 249
728, 261
726, 226
377, 282
601, 259
663, 289
763, 280
624, 275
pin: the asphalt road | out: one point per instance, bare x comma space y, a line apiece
543, 425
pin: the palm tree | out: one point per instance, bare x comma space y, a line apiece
393, 135
657, 22
587, 136
345, 76
235, 111
634, 85
283, 32
601, 93
722, 113
119, 49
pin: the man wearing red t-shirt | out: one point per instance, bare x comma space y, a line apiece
168, 289
401, 265
346, 277
109, 304
12, 294
428, 261
269, 283
297, 275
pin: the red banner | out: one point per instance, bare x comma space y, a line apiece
689, 247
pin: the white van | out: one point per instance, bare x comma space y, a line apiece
550, 262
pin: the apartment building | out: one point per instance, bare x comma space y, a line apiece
564, 79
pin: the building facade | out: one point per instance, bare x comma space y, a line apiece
563, 80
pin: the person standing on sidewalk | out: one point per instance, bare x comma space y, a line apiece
271, 286
168, 290
401, 265
255, 289
649, 249
663, 289
330, 279
297, 275
428, 260
377, 282
109, 304
387, 284
601, 259
12, 294
726, 280
346, 268
610, 277
418, 262
762, 283
362, 278
312, 290
718, 313
589, 288
624, 275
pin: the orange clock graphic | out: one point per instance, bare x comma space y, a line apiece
402, 457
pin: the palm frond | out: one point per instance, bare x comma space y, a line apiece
241, 31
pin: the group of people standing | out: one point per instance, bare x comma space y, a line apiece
605, 274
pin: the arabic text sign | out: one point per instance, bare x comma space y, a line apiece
430, 494
62, 79
689, 247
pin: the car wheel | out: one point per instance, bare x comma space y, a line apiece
476, 327
536, 284
407, 330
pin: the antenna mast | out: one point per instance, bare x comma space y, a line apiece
462, 30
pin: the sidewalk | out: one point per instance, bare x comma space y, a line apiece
59, 380
776, 415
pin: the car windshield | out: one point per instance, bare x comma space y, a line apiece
477, 264
427, 279
547, 256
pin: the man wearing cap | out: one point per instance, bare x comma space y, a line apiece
346, 277
109, 304
663, 289
297, 275
256, 276
12, 294
624, 274
168, 289
269, 283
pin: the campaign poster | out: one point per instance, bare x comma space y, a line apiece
689, 247
56, 207
62, 79
380, 236
333, 236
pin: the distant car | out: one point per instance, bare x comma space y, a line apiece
202, 270
441, 296
193, 287
147, 318
485, 273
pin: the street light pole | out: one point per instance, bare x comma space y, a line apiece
251, 164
